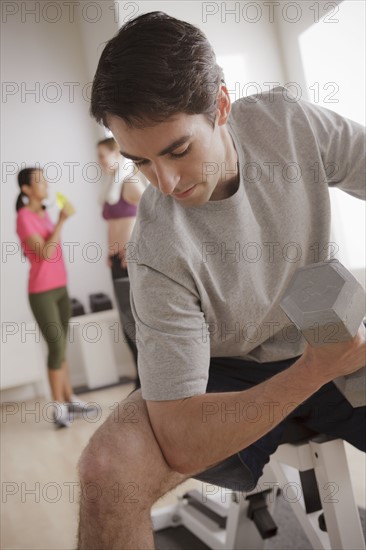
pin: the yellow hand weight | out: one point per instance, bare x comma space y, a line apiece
63, 202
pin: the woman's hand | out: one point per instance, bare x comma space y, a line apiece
64, 214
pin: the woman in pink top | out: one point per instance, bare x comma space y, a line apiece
47, 290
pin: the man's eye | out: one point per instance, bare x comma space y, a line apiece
139, 163
181, 154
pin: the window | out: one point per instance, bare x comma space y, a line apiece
333, 56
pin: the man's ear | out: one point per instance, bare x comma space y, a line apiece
223, 105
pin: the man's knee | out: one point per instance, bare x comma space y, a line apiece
121, 441
125, 449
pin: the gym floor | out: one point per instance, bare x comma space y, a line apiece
39, 482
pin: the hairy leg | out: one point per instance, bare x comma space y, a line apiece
122, 473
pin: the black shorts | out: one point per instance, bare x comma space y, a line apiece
326, 412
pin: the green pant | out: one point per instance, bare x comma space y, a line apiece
52, 311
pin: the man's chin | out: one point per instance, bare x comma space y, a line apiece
199, 197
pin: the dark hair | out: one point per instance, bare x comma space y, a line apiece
24, 178
110, 143
154, 67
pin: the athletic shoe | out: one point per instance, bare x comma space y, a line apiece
61, 417
77, 406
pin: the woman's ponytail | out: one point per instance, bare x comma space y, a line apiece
20, 203
24, 178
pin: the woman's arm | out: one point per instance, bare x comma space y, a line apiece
38, 245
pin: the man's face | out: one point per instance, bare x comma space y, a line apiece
182, 153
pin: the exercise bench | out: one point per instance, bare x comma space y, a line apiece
311, 473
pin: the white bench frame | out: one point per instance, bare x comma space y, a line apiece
327, 457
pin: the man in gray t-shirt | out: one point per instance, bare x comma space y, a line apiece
238, 200
207, 278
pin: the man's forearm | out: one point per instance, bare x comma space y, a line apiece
214, 426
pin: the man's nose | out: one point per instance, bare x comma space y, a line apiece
167, 179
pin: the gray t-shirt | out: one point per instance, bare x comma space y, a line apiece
206, 281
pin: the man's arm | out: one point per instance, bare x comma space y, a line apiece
342, 144
198, 432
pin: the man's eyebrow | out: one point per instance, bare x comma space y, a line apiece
165, 151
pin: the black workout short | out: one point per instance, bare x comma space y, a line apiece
326, 412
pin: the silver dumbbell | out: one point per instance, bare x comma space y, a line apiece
327, 304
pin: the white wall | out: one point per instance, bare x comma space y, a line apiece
93, 36
290, 22
324, 52
329, 60
38, 129
245, 42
